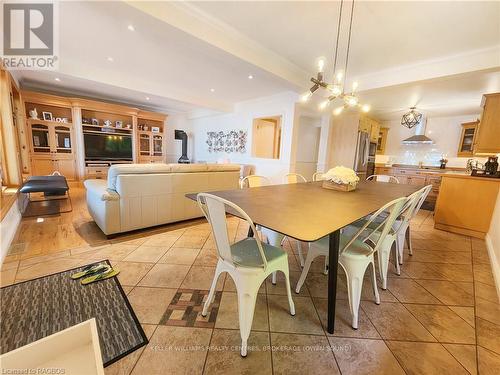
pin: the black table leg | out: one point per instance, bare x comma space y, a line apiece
333, 259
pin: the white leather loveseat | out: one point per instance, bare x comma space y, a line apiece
143, 195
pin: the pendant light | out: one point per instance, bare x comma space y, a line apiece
411, 118
336, 90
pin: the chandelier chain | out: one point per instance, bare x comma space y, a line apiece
338, 36
348, 43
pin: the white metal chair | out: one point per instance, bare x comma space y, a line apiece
382, 178
405, 231
293, 178
356, 255
395, 235
248, 262
254, 181
273, 238
318, 176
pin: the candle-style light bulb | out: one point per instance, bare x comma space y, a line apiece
321, 65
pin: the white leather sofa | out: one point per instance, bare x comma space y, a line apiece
143, 195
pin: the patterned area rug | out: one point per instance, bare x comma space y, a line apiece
38, 308
186, 307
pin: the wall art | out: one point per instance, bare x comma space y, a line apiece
232, 141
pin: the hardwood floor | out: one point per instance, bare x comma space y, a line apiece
441, 316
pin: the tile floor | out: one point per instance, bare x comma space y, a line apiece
441, 316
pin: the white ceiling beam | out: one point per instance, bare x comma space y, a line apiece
118, 79
471, 61
194, 21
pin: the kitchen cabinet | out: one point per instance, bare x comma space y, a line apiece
52, 148
487, 139
466, 145
381, 140
414, 176
465, 204
375, 130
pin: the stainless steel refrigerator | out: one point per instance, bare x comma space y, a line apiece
364, 160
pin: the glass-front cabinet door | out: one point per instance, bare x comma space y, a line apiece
40, 138
63, 142
157, 145
144, 144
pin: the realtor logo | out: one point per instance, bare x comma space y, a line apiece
29, 36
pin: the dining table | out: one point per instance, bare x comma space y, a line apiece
308, 212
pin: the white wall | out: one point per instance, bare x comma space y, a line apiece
444, 131
493, 243
308, 137
241, 118
173, 146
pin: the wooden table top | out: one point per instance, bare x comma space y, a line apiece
308, 212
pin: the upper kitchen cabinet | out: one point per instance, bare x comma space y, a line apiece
466, 145
381, 140
487, 139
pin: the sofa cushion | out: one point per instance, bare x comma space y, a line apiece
119, 169
160, 168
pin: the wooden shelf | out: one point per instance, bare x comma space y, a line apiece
41, 121
107, 127
149, 132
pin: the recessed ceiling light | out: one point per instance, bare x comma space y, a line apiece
212, 90
147, 98
110, 59
250, 76
131, 27
57, 79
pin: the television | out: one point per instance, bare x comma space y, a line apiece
107, 147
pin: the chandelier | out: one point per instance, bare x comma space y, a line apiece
336, 89
411, 118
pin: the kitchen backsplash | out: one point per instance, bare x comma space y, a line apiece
444, 131
412, 157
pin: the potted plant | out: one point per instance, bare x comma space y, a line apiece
340, 178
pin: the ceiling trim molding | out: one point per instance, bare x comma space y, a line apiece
29, 85
470, 61
192, 20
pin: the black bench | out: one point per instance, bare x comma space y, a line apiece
53, 187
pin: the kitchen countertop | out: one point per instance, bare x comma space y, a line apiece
424, 169
468, 176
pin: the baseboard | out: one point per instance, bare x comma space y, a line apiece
494, 261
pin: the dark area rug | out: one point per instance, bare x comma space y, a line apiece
38, 308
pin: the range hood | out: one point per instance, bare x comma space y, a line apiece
419, 137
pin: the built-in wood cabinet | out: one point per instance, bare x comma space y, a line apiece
52, 148
150, 139
466, 204
382, 140
414, 176
375, 130
487, 139
86, 137
466, 145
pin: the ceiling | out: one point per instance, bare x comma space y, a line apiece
187, 56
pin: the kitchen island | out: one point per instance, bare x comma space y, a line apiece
465, 203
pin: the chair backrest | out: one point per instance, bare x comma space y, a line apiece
420, 200
214, 208
384, 224
254, 181
293, 178
318, 176
382, 178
